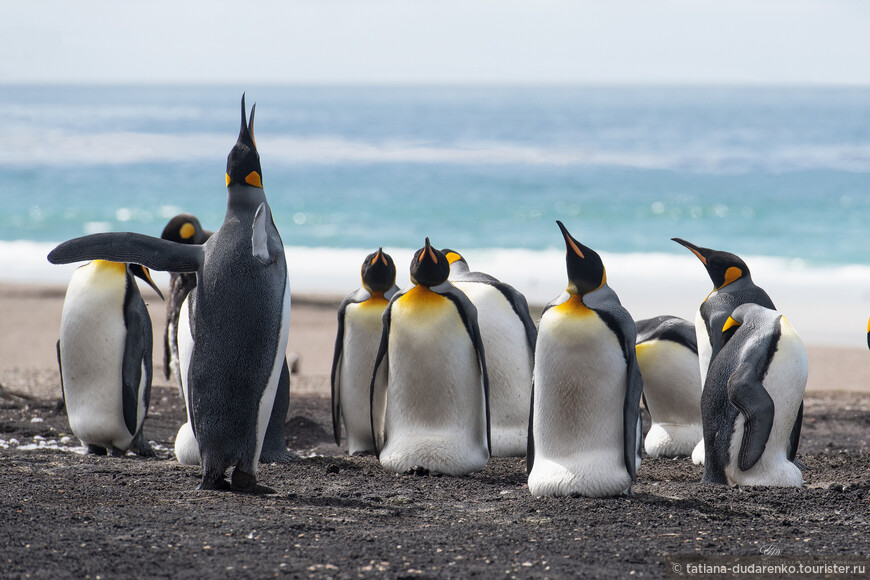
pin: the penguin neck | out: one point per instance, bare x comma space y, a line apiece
242, 198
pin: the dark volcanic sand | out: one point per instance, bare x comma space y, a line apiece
68, 515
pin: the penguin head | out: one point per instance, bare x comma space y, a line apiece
185, 229
243, 162
143, 273
429, 266
722, 267
585, 268
750, 315
456, 261
378, 272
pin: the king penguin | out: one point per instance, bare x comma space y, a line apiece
239, 315
584, 436
184, 229
509, 335
752, 401
732, 286
667, 354
431, 371
104, 354
356, 346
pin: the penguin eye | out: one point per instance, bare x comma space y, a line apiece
253, 178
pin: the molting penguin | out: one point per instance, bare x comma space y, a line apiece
184, 229
667, 354
509, 335
356, 346
104, 354
732, 286
239, 316
584, 437
752, 402
431, 371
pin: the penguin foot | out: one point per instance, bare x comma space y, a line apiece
285, 456
417, 470
361, 454
141, 447
219, 484
247, 483
116, 452
97, 450
801, 465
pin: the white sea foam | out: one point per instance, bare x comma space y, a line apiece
60, 147
827, 305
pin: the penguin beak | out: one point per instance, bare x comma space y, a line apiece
427, 249
730, 323
570, 242
143, 273
697, 250
379, 254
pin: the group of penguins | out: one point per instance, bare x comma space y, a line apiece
438, 377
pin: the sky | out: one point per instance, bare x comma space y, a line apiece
436, 41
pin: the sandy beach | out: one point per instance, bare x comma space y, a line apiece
31, 320
69, 515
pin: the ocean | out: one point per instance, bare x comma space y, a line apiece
778, 175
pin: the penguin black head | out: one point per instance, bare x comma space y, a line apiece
585, 268
143, 273
429, 266
378, 272
243, 162
722, 267
185, 229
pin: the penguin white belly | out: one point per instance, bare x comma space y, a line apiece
92, 338
672, 390
785, 382
435, 415
186, 446
509, 362
267, 399
362, 336
580, 383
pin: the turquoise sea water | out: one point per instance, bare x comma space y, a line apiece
781, 172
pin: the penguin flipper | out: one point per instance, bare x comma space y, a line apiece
137, 359
795, 437
605, 303
380, 381
60, 370
530, 442
746, 392
521, 308
468, 313
129, 247
260, 245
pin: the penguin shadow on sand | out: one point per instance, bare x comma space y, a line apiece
104, 357
233, 325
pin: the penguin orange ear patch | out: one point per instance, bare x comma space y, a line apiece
731, 274
187, 230
253, 178
228, 179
